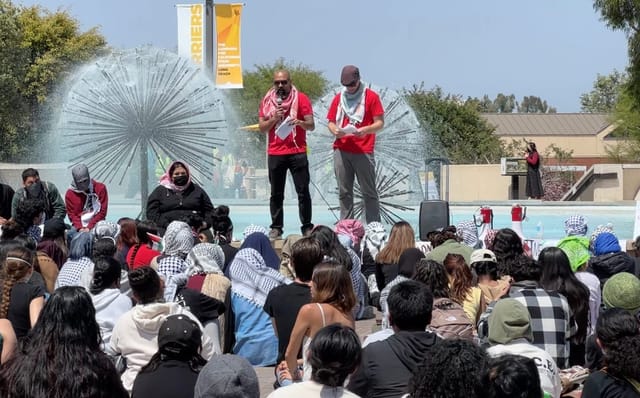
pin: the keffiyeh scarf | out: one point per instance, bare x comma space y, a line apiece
205, 258
251, 278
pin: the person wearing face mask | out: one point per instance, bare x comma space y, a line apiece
86, 199
47, 192
177, 198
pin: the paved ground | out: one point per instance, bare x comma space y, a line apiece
266, 377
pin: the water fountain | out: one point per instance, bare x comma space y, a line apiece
401, 149
143, 105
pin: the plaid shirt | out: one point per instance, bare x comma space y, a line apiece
550, 319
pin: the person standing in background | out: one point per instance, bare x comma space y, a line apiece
534, 182
283, 103
355, 116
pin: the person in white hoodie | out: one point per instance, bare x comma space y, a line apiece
109, 302
510, 333
135, 335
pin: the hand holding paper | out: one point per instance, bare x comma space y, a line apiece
285, 128
348, 129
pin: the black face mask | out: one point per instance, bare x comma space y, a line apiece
180, 180
35, 191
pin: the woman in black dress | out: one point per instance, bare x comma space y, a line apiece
534, 182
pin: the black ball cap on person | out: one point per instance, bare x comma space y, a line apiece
350, 74
179, 335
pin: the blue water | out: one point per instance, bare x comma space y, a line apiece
550, 218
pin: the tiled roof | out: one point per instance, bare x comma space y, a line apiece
535, 124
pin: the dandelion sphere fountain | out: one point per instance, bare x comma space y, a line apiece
137, 105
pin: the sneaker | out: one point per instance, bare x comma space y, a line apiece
275, 233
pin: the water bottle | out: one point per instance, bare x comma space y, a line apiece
237, 193
539, 230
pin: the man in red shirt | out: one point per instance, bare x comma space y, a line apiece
286, 115
355, 116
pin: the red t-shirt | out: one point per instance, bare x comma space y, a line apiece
294, 143
351, 143
144, 255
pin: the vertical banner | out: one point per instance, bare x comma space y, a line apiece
228, 66
191, 32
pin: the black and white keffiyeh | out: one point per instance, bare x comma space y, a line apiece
205, 258
251, 278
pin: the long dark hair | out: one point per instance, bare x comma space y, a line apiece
558, 277
106, 272
434, 275
619, 334
17, 266
331, 246
507, 246
61, 355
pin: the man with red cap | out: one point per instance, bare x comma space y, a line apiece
286, 115
355, 116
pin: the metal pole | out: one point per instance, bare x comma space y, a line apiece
144, 178
209, 32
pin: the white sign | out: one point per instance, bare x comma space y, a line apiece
191, 19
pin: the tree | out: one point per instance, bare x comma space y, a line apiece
257, 82
604, 96
533, 104
13, 111
39, 50
625, 16
464, 135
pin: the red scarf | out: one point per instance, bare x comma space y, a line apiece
289, 104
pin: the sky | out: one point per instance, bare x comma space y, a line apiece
553, 49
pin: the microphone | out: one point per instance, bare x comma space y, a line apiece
280, 97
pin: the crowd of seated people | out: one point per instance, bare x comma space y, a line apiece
172, 306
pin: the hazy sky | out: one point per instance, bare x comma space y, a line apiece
550, 48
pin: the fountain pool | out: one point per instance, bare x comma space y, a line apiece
549, 216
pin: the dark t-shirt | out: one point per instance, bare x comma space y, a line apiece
283, 304
205, 308
172, 379
601, 385
18, 314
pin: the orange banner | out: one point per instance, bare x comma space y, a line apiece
228, 62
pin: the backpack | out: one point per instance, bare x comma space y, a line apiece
449, 321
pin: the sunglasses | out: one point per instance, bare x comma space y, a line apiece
280, 82
352, 84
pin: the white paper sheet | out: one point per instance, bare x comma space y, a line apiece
349, 129
284, 129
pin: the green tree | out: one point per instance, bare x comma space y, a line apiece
534, 104
604, 96
55, 46
625, 16
465, 136
14, 114
39, 49
257, 82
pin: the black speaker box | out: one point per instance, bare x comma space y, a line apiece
434, 214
